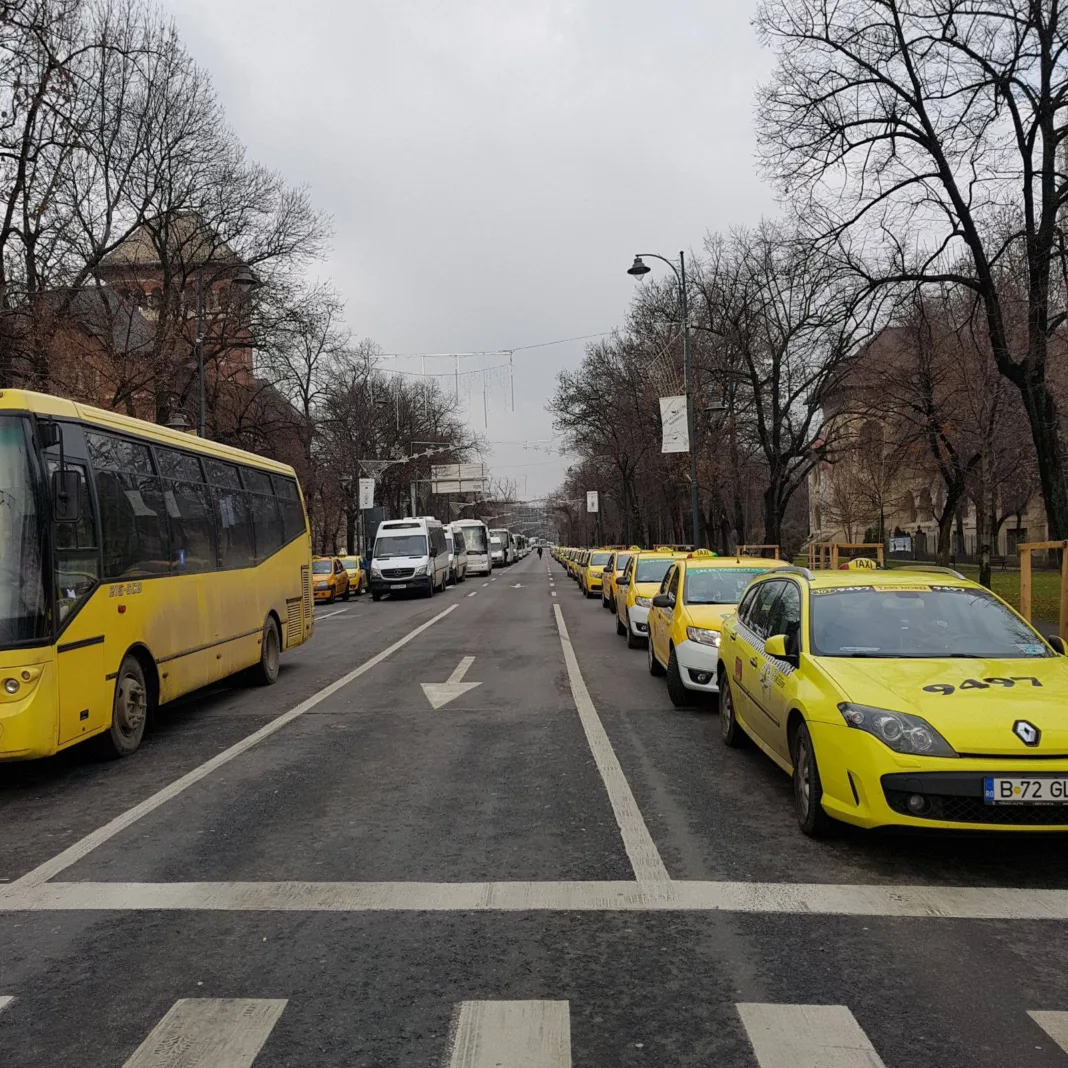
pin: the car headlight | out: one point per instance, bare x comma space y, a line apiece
900, 731
703, 636
643, 602
322, 585
375, 573
420, 570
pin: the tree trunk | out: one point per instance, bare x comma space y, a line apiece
1041, 410
945, 530
773, 512
983, 522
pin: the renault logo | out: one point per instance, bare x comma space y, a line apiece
1028, 733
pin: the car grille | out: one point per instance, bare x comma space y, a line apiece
398, 572
974, 810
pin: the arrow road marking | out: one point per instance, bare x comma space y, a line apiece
440, 694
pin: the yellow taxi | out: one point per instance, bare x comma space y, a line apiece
330, 580
591, 577
578, 561
910, 697
686, 617
613, 570
357, 575
636, 588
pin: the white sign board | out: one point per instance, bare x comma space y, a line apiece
673, 418
458, 478
367, 493
901, 545
592, 503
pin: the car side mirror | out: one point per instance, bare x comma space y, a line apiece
66, 495
776, 646
664, 600
623, 581
1058, 645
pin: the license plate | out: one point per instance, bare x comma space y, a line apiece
398, 586
1024, 791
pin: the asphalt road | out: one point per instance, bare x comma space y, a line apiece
553, 867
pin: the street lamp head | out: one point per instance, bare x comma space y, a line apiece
178, 421
245, 279
638, 268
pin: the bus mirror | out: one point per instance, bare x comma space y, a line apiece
49, 433
66, 496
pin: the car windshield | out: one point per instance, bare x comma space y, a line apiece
390, 545
720, 585
23, 609
653, 569
495, 542
622, 560
322, 567
475, 539
352, 563
600, 559
919, 622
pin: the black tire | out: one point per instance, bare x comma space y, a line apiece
633, 641
656, 669
429, 586
376, 597
129, 710
333, 597
265, 673
348, 593
620, 629
590, 594
730, 733
808, 789
680, 696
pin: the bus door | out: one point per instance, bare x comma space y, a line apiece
84, 704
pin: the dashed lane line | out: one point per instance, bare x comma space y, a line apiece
72, 854
5, 1000
330, 615
641, 849
473, 593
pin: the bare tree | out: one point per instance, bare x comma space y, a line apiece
922, 137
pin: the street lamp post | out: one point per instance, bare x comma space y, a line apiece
637, 270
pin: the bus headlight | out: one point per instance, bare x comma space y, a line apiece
11, 686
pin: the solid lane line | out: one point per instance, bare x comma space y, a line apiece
644, 856
1055, 1024
795, 899
807, 1036
5, 1001
72, 854
209, 1033
519, 1034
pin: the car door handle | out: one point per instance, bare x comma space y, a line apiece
752, 661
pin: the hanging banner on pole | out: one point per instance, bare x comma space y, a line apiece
592, 503
673, 418
367, 493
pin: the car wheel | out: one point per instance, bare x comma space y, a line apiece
731, 734
633, 641
129, 709
347, 594
430, 586
680, 696
808, 790
589, 594
376, 597
620, 629
655, 667
265, 673
333, 597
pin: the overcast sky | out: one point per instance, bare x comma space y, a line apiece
491, 166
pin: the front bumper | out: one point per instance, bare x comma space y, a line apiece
639, 620
324, 595
867, 784
394, 585
697, 662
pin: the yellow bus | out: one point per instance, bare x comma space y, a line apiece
137, 563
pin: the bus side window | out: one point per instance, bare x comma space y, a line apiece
292, 510
232, 515
266, 513
189, 512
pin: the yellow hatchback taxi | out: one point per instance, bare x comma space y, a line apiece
614, 570
330, 580
686, 617
591, 577
910, 697
357, 575
635, 590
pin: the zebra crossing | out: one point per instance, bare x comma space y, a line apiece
231, 1032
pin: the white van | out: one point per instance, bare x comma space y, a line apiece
501, 547
409, 554
477, 539
454, 539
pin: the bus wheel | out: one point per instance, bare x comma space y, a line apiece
129, 709
265, 673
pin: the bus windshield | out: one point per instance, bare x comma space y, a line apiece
389, 545
475, 537
23, 609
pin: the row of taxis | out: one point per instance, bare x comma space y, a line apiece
903, 697
337, 577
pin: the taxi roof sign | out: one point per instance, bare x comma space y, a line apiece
701, 554
861, 563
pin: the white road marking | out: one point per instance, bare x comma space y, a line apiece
797, 899
807, 1036
209, 1033
73, 853
638, 842
440, 694
553, 593
330, 615
1055, 1024
484, 584
519, 1034
473, 593
5, 1001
